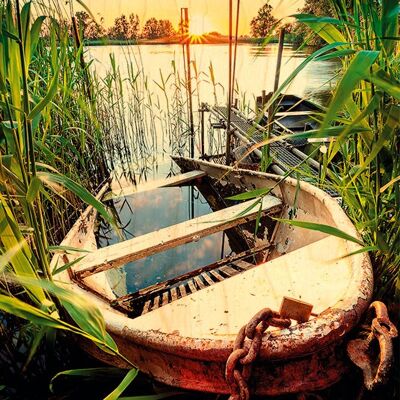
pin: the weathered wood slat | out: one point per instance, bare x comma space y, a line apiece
295, 113
217, 276
159, 183
228, 270
156, 302
173, 236
207, 278
243, 264
174, 294
165, 298
146, 307
182, 290
199, 282
150, 290
191, 286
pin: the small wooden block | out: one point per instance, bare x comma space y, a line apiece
295, 309
216, 275
182, 290
207, 279
165, 298
174, 294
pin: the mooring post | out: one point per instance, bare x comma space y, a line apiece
202, 110
279, 61
228, 127
271, 110
185, 34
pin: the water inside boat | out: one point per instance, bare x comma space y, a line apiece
149, 211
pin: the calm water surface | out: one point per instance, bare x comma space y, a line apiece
159, 65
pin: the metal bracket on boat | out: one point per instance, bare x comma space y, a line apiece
239, 364
375, 367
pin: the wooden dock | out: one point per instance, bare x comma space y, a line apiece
285, 157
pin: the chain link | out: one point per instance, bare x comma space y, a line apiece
383, 331
239, 364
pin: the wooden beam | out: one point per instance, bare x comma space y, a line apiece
159, 183
296, 113
139, 247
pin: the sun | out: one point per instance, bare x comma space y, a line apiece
199, 25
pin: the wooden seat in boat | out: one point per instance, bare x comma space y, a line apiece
192, 230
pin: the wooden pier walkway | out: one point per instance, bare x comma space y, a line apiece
285, 157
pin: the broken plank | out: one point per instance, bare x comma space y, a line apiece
139, 247
228, 270
159, 183
207, 278
156, 302
243, 264
192, 287
165, 298
217, 276
182, 290
174, 294
199, 282
146, 307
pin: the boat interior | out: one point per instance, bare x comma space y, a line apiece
268, 259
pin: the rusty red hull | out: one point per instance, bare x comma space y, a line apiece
306, 356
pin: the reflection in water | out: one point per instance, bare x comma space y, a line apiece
146, 212
148, 116
152, 101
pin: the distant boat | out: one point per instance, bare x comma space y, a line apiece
181, 332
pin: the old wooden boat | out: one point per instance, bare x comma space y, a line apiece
292, 114
181, 332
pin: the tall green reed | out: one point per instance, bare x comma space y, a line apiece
363, 122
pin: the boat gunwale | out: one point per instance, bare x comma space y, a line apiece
327, 328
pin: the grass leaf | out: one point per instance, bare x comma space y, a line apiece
116, 393
330, 230
78, 190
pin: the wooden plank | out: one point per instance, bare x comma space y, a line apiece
174, 294
182, 290
296, 113
173, 236
229, 270
218, 276
180, 278
192, 287
146, 307
244, 265
156, 302
159, 183
199, 282
165, 299
207, 278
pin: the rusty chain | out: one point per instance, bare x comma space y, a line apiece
361, 351
239, 364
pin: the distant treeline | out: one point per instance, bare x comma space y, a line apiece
128, 29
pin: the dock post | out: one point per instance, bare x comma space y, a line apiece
279, 61
185, 34
202, 110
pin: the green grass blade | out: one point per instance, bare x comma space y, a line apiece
390, 23
78, 190
250, 195
358, 70
116, 393
33, 189
51, 92
330, 230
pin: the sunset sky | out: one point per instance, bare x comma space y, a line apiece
208, 15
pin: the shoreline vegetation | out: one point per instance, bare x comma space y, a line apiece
198, 40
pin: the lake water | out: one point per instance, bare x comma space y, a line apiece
255, 68
154, 109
